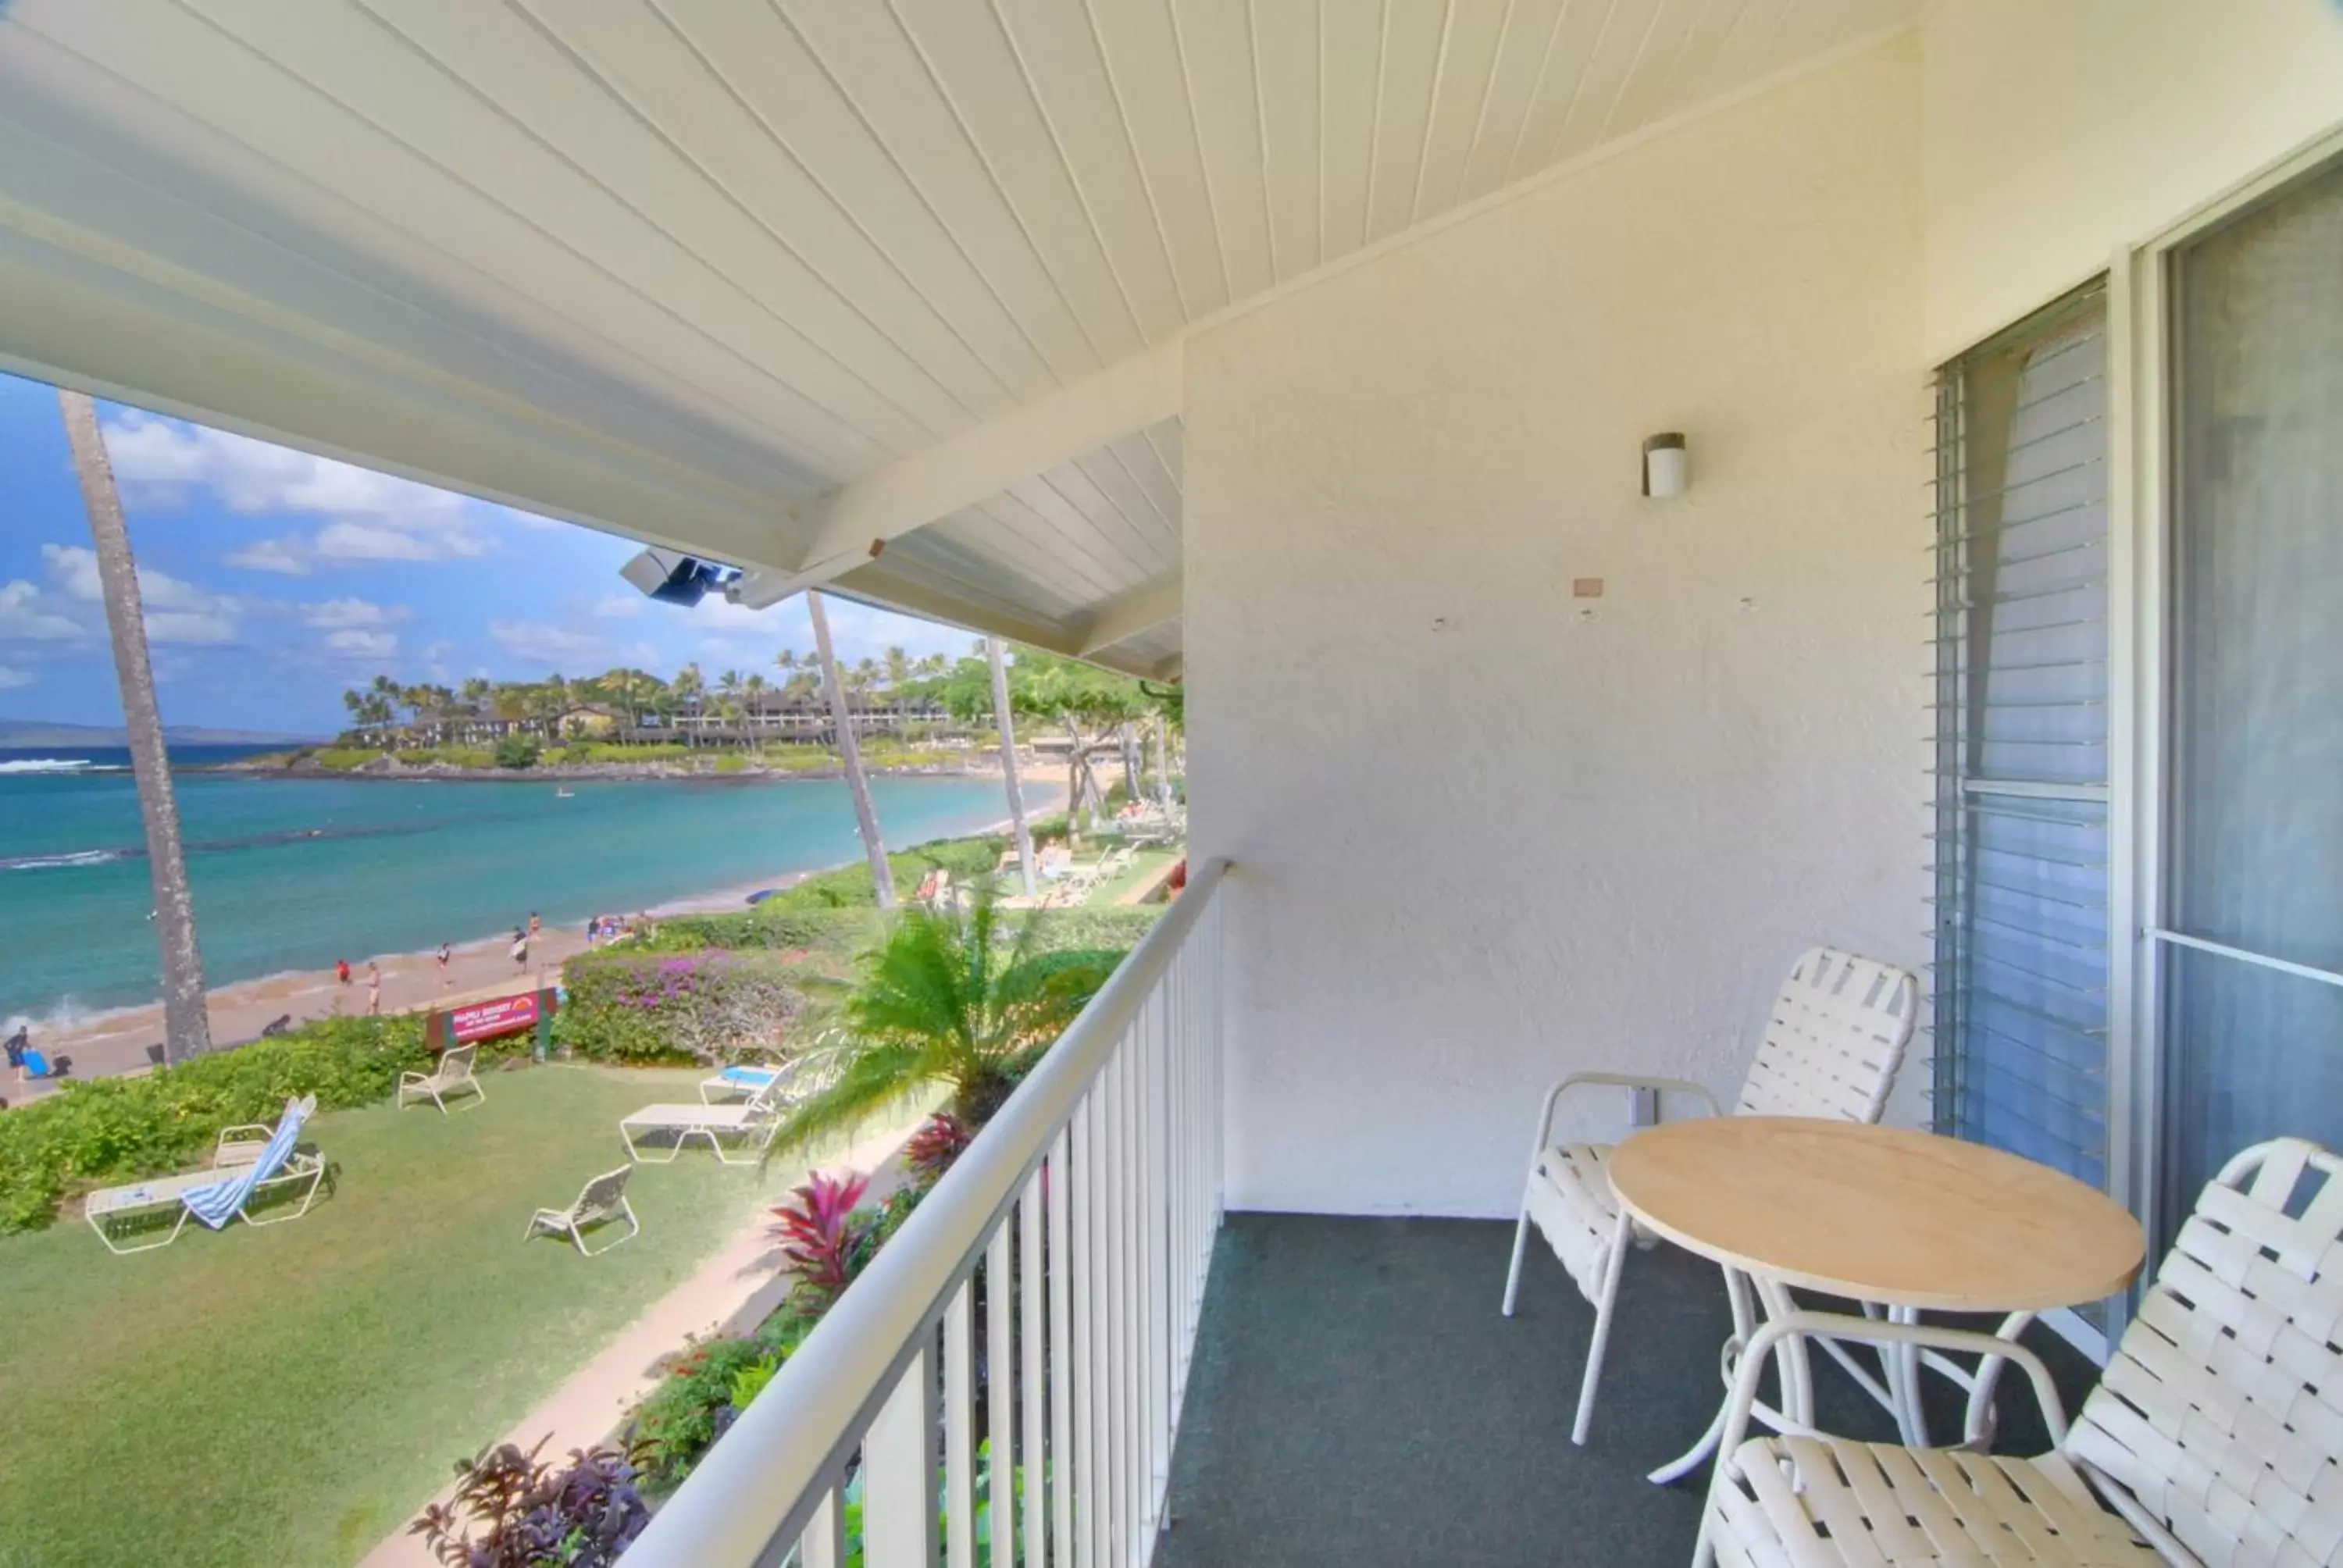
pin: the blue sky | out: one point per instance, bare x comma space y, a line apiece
274, 579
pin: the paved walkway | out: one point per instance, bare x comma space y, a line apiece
733, 1291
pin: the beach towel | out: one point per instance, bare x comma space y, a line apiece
223, 1199
749, 1077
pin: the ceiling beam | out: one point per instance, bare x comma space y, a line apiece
978, 464
1126, 616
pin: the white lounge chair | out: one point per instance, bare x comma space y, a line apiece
2214, 1431
451, 1079
736, 1134
784, 1082
247, 1162
1831, 1045
602, 1201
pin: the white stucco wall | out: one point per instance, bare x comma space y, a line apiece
1486, 832
2056, 130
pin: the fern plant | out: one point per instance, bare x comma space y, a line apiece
946, 999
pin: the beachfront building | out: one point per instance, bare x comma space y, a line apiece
1632, 491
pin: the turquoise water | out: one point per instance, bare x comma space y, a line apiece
291, 874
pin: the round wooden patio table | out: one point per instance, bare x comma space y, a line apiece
1905, 1220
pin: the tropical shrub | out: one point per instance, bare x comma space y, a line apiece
705, 1391
527, 1513
117, 1128
944, 1001
820, 1235
630, 1006
930, 1150
835, 933
515, 751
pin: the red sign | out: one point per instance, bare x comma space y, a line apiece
482, 1019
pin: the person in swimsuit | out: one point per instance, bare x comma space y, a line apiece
444, 956
520, 949
374, 988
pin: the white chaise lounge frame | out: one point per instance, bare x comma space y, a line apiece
749, 1124
237, 1147
453, 1077
603, 1200
1834, 1039
2213, 1432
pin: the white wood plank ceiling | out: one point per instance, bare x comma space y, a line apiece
691, 269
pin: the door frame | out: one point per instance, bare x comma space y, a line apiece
2141, 301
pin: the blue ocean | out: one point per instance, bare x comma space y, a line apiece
292, 874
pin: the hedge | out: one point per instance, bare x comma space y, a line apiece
626, 1005
109, 1129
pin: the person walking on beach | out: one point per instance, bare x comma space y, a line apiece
534, 925
444, 957
342, 970
374, 988
520, 949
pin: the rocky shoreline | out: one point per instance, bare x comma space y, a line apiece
702, 769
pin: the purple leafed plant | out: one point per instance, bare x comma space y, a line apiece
820, 1233
527, 1513
929, 1151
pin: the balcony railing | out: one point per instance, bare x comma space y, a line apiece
1042, 1303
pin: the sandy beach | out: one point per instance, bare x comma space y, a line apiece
117, 1042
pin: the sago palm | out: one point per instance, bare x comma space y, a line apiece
943, 1002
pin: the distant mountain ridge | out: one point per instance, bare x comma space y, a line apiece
18, 733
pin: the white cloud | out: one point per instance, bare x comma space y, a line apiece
619, 607
356, 642
26, 617
336, 614
283, 556
349, 541
554, 646
369, 515
14, 679
168, 626
176, 611
73, 568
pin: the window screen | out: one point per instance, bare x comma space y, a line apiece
2019, 992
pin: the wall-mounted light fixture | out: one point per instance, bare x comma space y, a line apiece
1663, 465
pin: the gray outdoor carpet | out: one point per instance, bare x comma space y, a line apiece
1357, 1399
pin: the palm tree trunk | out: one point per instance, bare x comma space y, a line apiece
187, 1027
1131, 759
881, 877
1008, 763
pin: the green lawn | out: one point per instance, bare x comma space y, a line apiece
288, 1395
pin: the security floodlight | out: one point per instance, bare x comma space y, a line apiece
671, 576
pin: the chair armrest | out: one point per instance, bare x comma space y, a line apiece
1875, 1331
241, 1145
1613, 1080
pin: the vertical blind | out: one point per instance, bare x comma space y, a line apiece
2019, 856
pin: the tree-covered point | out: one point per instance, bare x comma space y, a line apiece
935, 697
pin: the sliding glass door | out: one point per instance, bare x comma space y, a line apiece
2251, 955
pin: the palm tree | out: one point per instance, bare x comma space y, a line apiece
940, 1004
1008, 763
688, 688
882, 877
186, 1026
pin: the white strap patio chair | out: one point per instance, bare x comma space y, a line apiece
736, 1134
451, 1079
249, 1163
784, 1083
1832, 1044
601, 1201
2216, 1433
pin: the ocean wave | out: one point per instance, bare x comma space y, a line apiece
74, 858
53, 765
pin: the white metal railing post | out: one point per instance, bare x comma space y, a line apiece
898, 1471
1085, 1215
